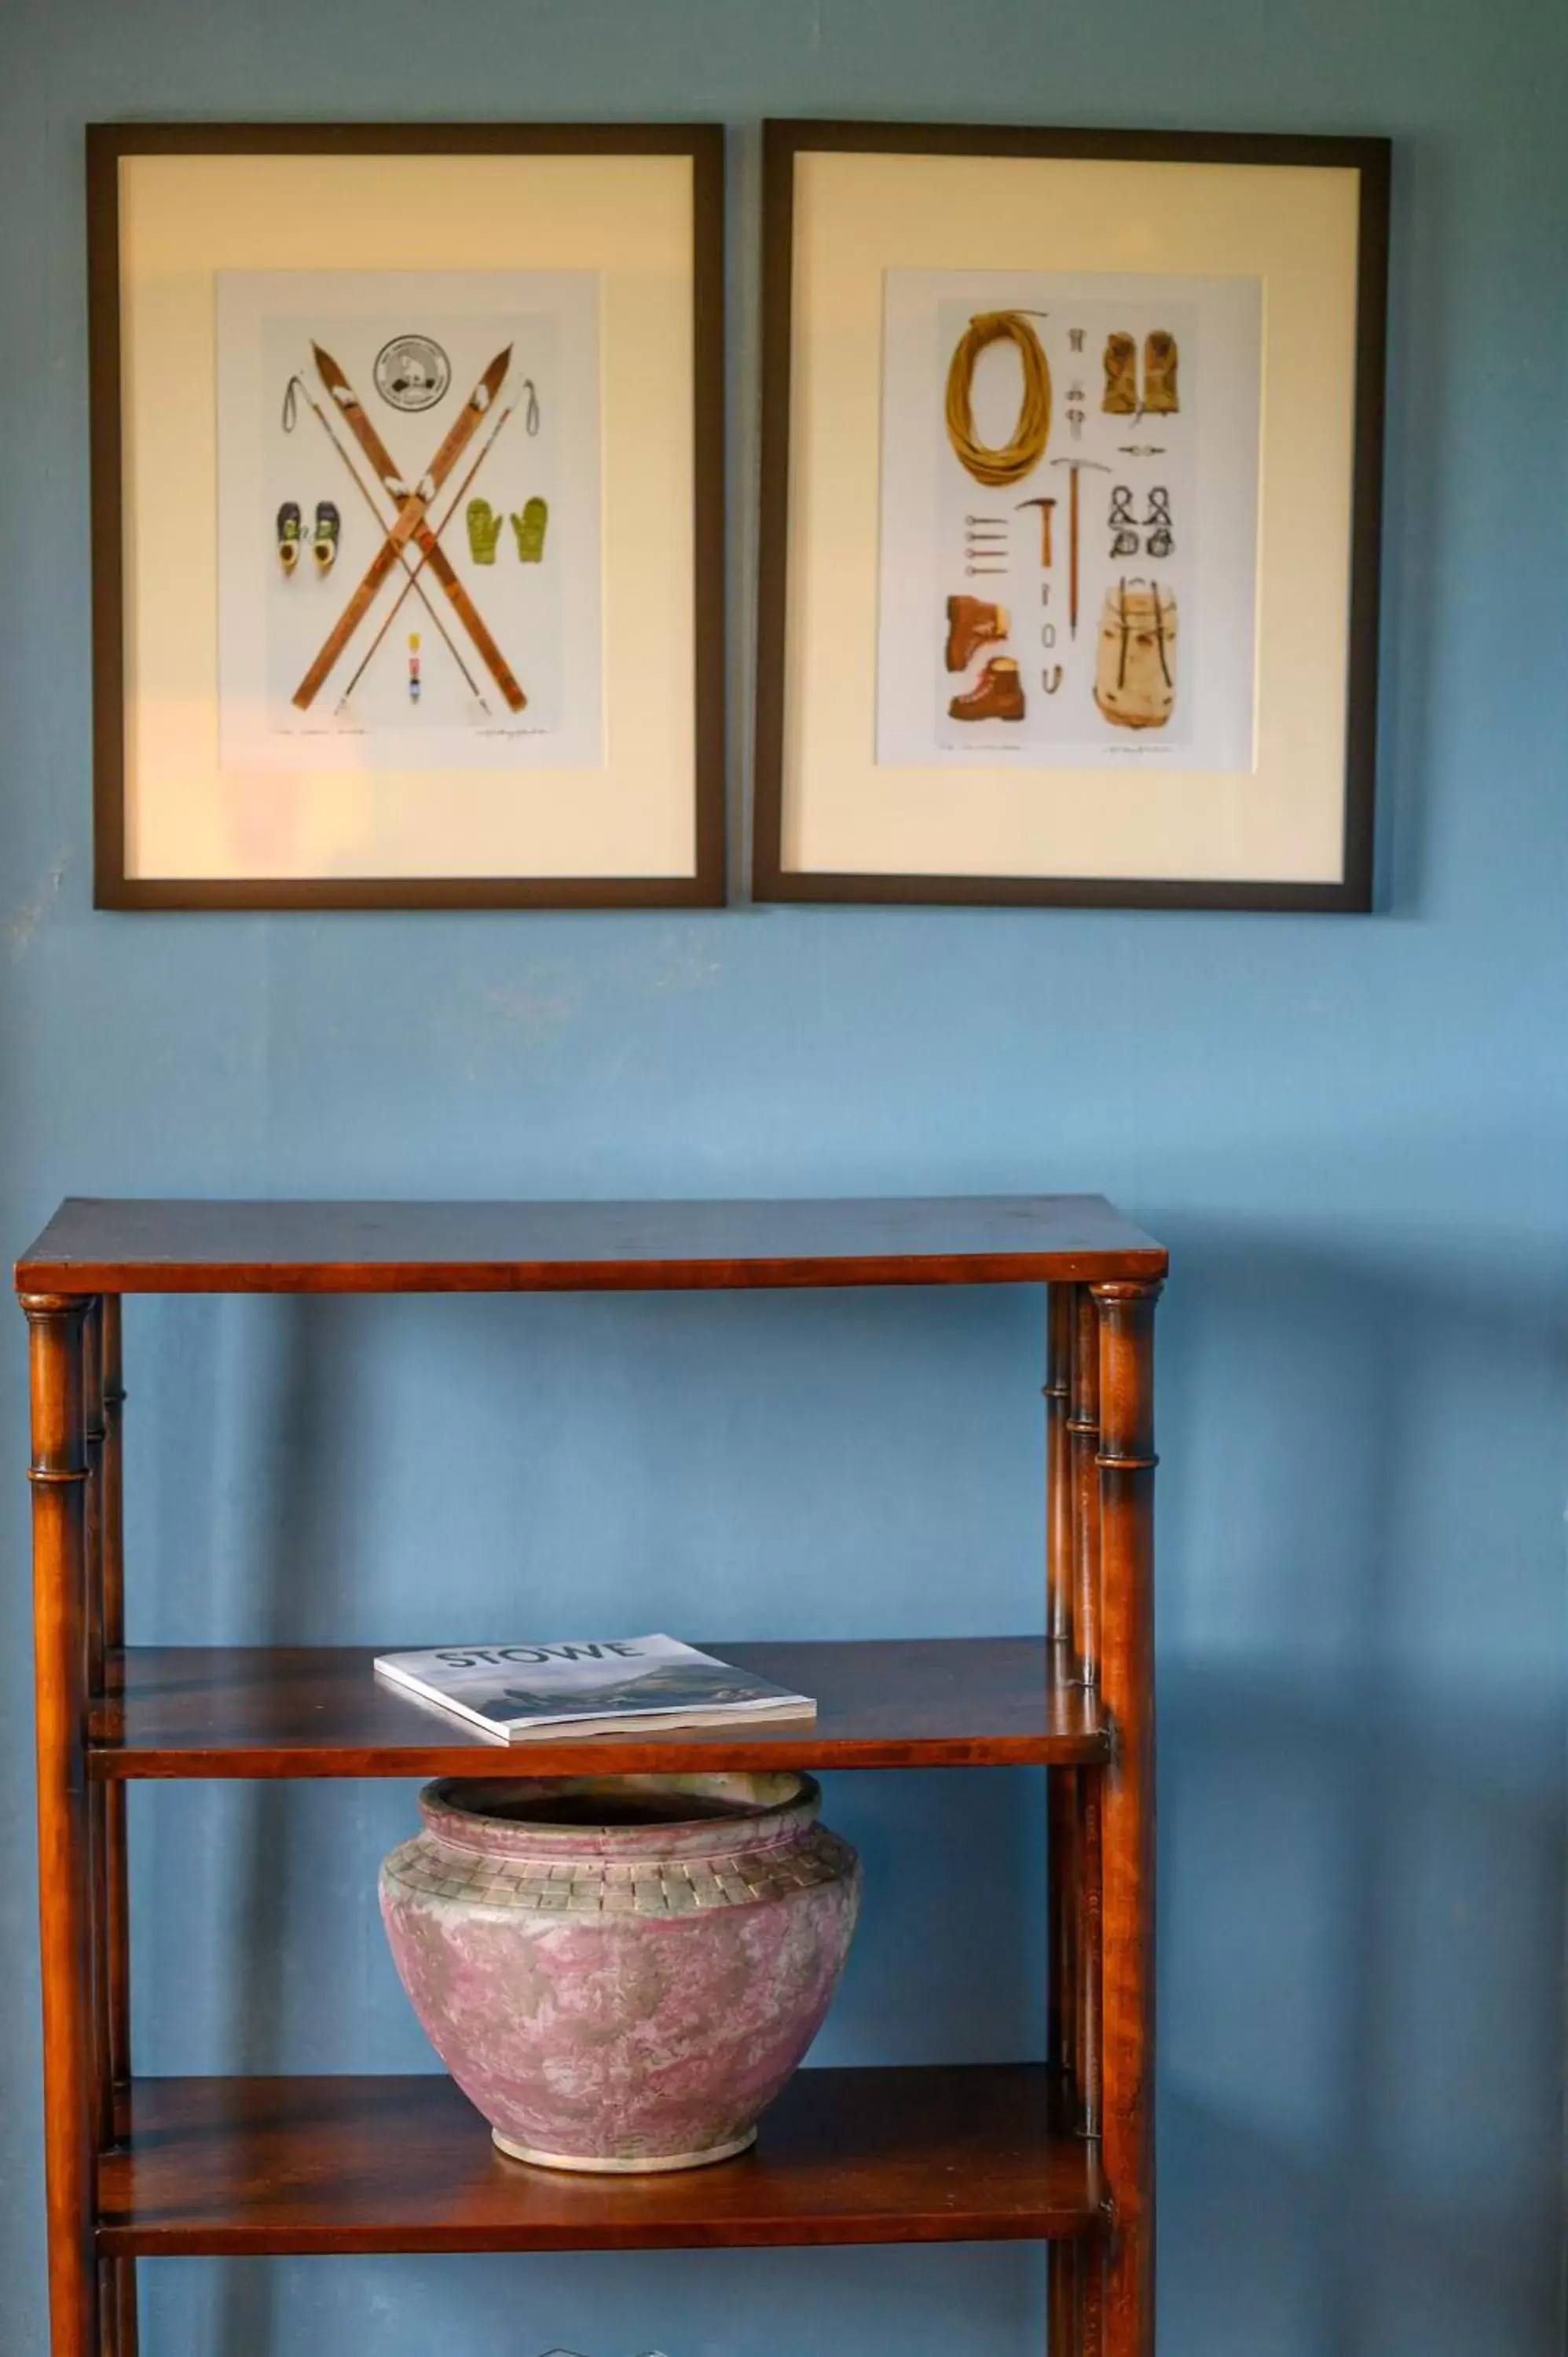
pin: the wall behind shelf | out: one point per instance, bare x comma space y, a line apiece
1352, 1134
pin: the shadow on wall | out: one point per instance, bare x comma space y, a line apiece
1362, 1802
1361, 1769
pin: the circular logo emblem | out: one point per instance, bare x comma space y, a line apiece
413, 372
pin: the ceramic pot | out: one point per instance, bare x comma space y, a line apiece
621, 1971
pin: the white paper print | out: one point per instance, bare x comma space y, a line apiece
322, 375
1157, 666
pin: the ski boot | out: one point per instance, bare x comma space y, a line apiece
288, 537
324, 546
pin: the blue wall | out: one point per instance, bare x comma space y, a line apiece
1352, 1134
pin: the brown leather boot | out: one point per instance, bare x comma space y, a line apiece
973, 624
1161, 398
997, 693
1121, 377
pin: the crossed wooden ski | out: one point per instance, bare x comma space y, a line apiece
411, 571
410, 523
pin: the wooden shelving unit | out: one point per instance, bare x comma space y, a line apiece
1061, 2150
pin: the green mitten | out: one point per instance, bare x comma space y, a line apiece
484, 531
530, 528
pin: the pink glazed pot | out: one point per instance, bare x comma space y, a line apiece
621, 1971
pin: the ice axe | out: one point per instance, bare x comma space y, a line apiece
1078, 466
1044, 507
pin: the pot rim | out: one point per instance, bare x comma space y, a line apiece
790, 1805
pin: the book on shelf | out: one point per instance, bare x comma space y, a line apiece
512, 1692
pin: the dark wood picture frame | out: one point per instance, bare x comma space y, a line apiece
107, 143
1371, 158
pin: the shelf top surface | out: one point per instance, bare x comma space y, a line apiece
298, 1710
269, 2165
99, 1244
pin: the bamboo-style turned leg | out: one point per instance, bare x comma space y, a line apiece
65, 1892
93, 1430
1082, 1967
1088, 1615
1063, 1804
1063, 2262
1127, 1499
112, 1557
98, 1839
1063, 1925
1059, 1576
1058, 1480
1088, 1612
1087, 1859
120, 2324
1083, 1431
1062, 2022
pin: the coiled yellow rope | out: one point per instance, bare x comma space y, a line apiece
1023, 454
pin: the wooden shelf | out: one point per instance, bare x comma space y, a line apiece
223, 2167
1059, 2151
95, 1246
321, 1711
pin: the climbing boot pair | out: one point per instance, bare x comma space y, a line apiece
998, 693
528, 528
1161, 358
291, 536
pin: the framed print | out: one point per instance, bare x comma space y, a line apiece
1072, 448
408, 534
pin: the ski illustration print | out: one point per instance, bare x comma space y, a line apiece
314, 669
429, 541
